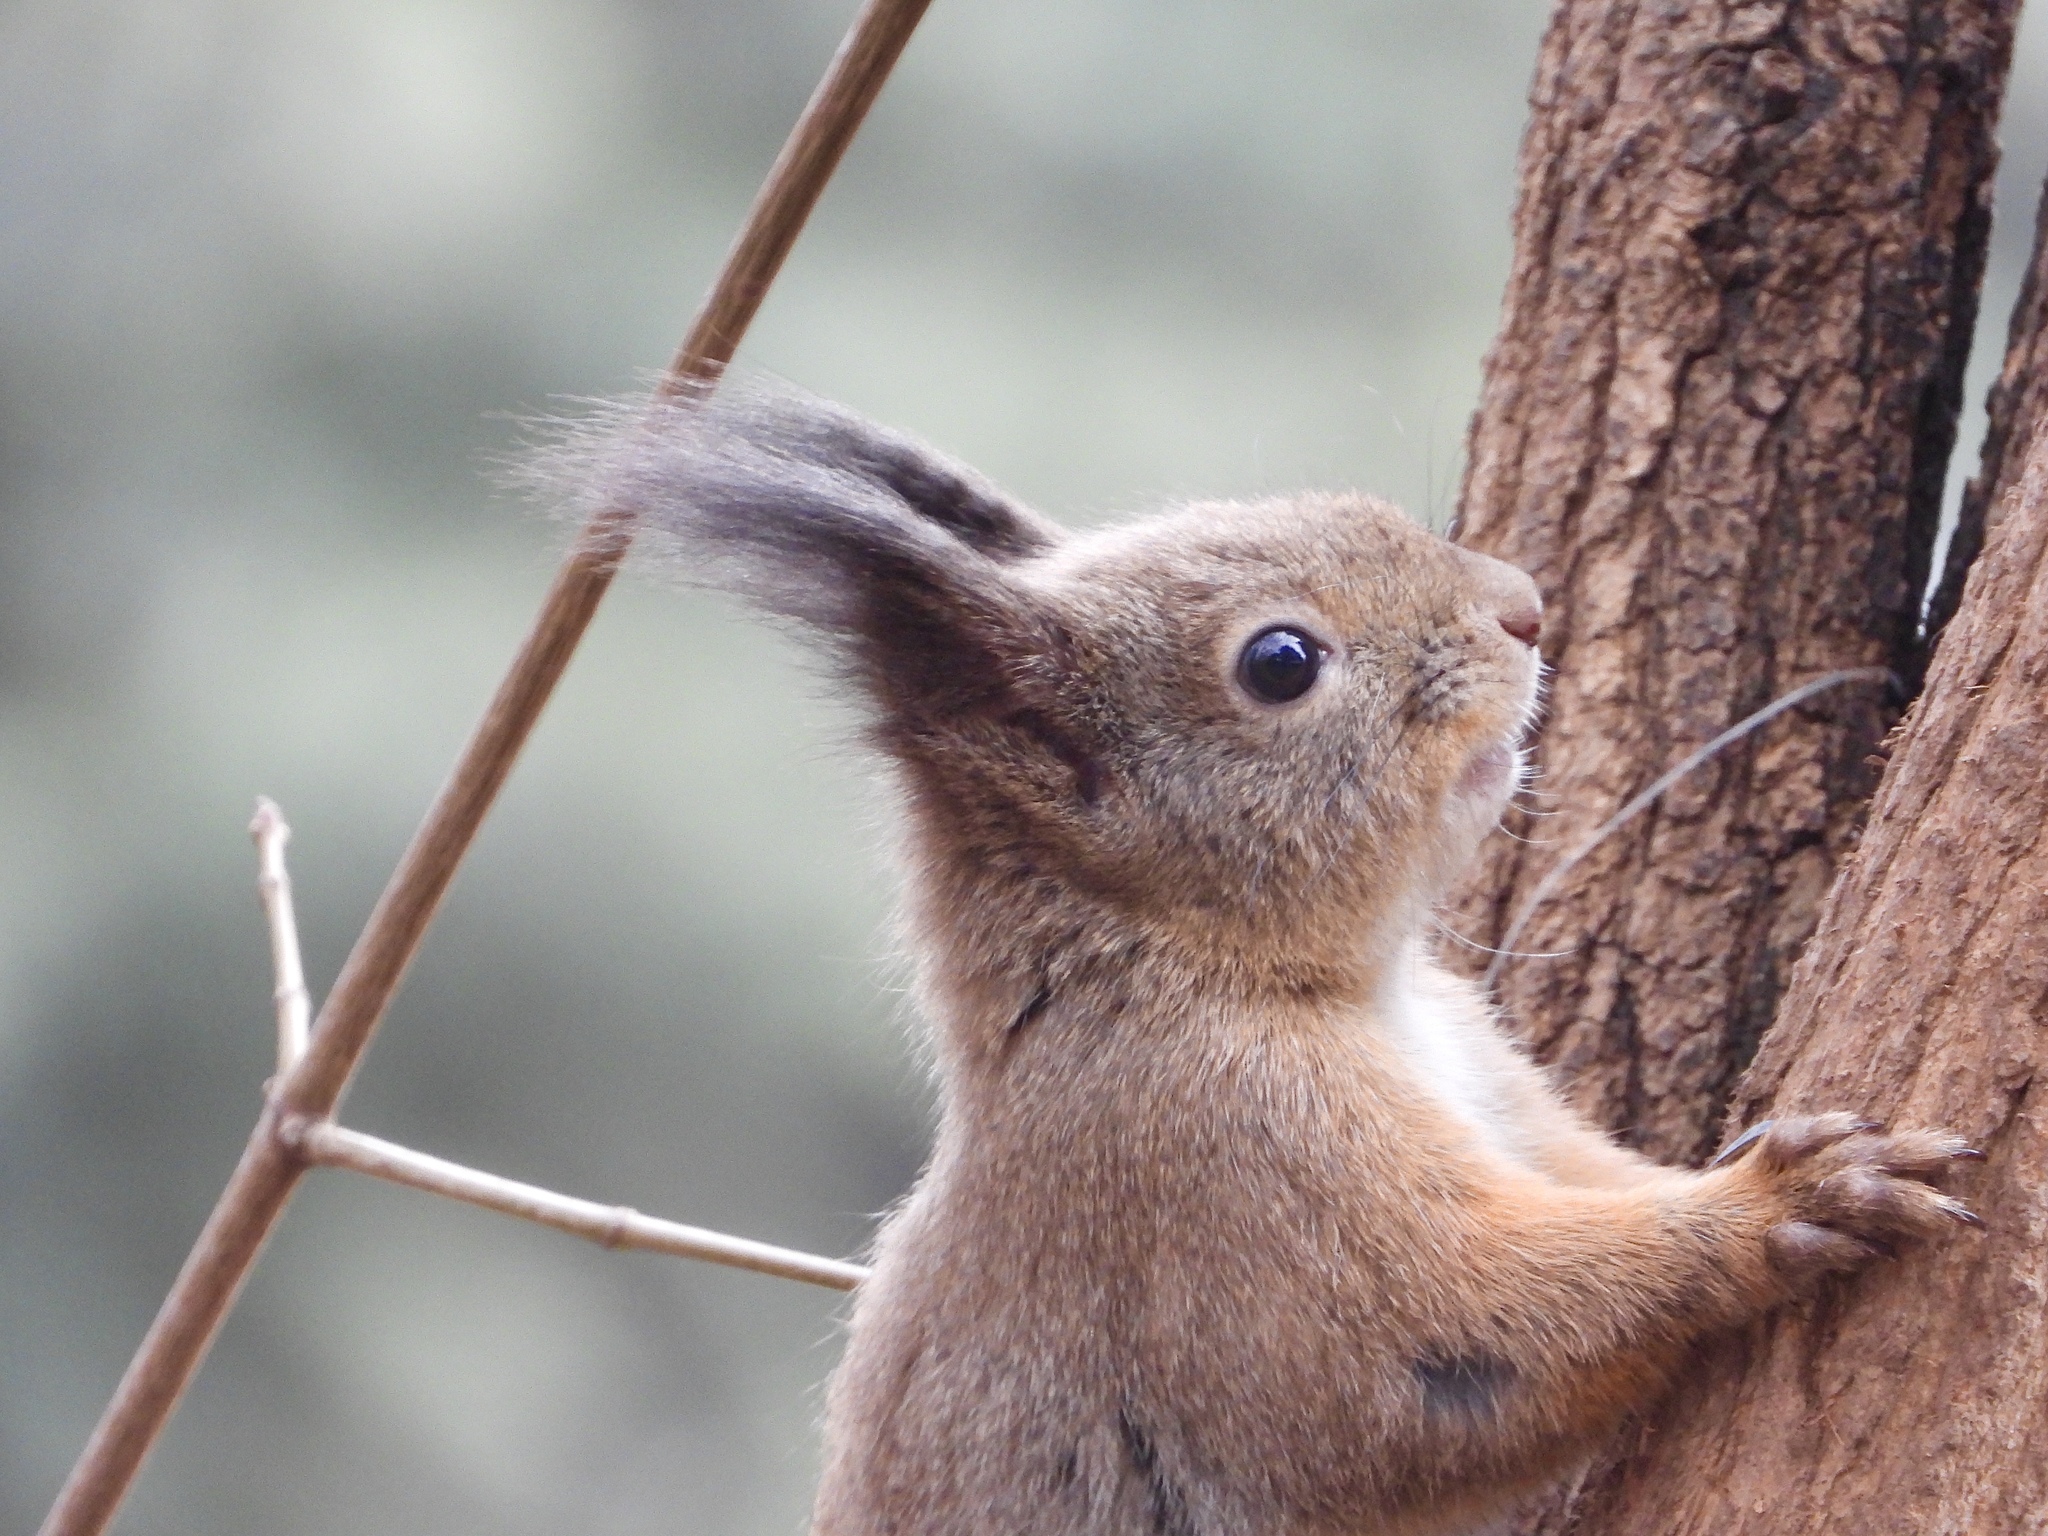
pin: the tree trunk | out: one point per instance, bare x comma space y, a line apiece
1916, 1400
1714, 428
2019, 400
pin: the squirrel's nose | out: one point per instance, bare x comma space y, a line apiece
1494, 587
1525, 622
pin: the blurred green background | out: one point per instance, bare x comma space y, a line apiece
276, 282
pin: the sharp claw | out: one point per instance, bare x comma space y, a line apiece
1742, 1143
1966, 1216
1968, 1155
1865, 1126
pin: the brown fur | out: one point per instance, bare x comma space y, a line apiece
1244, 1216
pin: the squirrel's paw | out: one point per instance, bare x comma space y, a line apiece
1853, 1191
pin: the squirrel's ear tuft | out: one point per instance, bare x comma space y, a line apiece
892, 553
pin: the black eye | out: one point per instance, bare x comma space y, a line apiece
1279, 665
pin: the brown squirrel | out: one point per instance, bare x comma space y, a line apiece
1244, 1215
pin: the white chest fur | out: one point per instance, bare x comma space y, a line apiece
1441, 1032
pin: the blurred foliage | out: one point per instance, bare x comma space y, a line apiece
276, 283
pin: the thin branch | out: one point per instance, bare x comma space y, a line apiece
1642, 802
274, 888
610, 1226
333, 1146
264, 1179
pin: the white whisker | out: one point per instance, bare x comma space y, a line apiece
1487, 949
1664, 781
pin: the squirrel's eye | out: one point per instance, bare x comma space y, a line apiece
1279, 665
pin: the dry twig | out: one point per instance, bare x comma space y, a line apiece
610, 1226
274, 888
334, 1146
271, 1163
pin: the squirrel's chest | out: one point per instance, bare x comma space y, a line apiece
1441, 1050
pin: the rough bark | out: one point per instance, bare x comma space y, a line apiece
2018, 401
1714, 427
1915, 1400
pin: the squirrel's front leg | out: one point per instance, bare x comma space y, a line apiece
1583, 1300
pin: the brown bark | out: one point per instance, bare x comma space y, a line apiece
2018, 401
1714, 428
1916, 1400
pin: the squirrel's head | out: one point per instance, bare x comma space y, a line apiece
1276, 723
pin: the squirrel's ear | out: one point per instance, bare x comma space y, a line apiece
890, 552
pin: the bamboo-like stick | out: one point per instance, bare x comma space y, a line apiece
270, 1167
610, 1226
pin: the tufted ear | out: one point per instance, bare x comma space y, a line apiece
895, 556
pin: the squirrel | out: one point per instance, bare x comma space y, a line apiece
1243, 1214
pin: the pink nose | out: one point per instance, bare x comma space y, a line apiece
1525, 624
